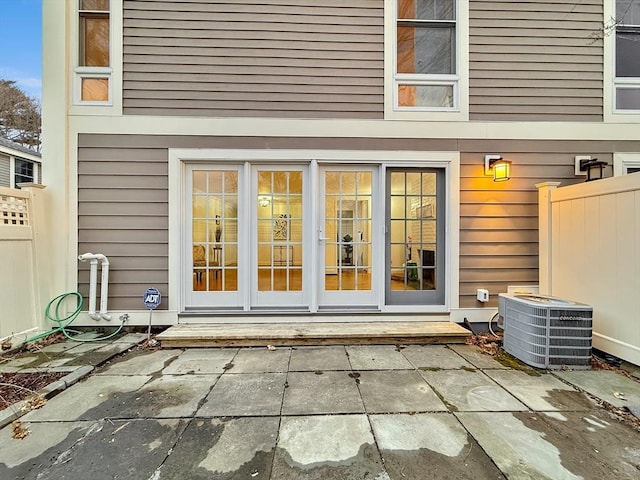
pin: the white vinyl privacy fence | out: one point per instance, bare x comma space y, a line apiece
22, 284
590, 253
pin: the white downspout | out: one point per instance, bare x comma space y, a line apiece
93, 284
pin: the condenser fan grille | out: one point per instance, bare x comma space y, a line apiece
542, 335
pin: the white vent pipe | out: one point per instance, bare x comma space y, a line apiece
93, 284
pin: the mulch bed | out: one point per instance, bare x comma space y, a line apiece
9, 394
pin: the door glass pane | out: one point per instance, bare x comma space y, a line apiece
279, 238
413, 234
347, 230
215, 230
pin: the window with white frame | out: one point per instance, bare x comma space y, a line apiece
25, 172
426, 76
93, 71
627, 69
626, 163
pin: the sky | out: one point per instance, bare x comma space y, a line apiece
21, 44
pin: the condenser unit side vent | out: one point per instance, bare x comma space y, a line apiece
546, 332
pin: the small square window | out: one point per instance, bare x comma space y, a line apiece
95, 90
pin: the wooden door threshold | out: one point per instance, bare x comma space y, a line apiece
288, 334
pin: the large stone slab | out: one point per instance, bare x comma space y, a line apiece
100, 355
261, 360
607, 385
93, 450
85, 400
542, 393
223, 449
130, 338
202, 361
245, 395
462, 390
474, 355
60, 347
323, 392
142, 363
377, 357
169, 396
331, 447
434, 357
309, 359
562, 446
430, 445
397, 391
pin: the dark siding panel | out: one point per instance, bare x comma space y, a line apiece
122, 213
269, 58
535, 60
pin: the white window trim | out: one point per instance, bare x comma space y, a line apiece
114, 72
611, 83
623, 161
459, 80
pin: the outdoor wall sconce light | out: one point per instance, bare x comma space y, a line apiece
593, 167
264, 201
496, 165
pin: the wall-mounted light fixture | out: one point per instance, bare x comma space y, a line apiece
498, 167
592, 166
264, 201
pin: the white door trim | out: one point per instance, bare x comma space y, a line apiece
449, 160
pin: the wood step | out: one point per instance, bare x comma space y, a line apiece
325, 333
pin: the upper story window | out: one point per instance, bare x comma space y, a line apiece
94, 69
24, 172
627, 65
426, 76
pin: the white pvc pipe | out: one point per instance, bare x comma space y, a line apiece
93, 284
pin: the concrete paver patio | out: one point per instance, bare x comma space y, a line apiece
354, 412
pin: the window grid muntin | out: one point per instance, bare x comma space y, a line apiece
224, 250
357, 246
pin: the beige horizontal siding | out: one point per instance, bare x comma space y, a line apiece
123, 203
273, 58
535, 60
499, 221
123, 214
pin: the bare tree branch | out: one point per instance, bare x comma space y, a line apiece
19, 116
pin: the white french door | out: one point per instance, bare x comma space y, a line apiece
214, 237
279, 237
347, 238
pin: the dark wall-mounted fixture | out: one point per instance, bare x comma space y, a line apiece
498, 167
593, 167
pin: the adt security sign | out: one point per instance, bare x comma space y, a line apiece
152, 298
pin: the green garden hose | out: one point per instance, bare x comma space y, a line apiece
64, 321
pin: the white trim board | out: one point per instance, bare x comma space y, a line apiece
313, 128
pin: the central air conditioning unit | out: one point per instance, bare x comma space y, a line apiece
546, 332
